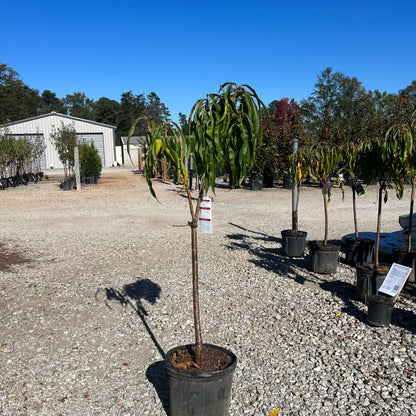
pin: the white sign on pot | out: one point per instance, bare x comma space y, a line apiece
395, 279
205, 216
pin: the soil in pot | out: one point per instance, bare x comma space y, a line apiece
293, 243
358, 251
199, 391
380, 309
324, 258
213, 359
369, 280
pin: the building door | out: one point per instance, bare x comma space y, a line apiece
97, 139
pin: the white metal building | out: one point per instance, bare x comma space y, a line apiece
102, 135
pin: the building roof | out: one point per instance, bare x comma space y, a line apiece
134, 140
53, 113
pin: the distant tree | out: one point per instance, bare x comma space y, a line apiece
50, 102
17, 100
78, 105
155, 109
410, 93
272, 107
65, 140
339, 109
106, 111
183, 122
382, 114
131, 107
278, 131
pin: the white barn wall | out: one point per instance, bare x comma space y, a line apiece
48, 123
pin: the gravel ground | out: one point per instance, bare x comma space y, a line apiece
98, 290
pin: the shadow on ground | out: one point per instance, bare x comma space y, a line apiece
132, 295
272, 259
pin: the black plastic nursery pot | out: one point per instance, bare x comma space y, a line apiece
256, 183
324, 258
358, 251
287, 182
293, 243
200, 393
369, 280
380, 310
406, 258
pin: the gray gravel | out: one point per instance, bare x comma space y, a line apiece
105, 293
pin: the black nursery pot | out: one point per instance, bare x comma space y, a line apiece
202, 393
358, 251
380, 310
293, 243
287, 182
324, 259
406, 258
256, 183
369, 280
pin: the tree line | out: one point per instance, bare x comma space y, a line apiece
18, 101
338, 110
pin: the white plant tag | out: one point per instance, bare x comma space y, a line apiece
205, 216
395, 279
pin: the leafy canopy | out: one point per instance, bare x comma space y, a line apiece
224, 129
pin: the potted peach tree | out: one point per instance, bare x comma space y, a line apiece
223, 133
324, 162
357, 250
383, 161
294, 240
407, 132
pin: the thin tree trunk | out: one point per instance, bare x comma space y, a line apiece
412, 199
354, 210
296, 209
195, 292
380, 201
326, 216
195, 289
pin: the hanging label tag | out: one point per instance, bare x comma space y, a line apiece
205, 216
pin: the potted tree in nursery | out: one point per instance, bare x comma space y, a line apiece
323, 160
91, 164
223, 132
357, 250
383, 161
65, 140
293, 240
407, 132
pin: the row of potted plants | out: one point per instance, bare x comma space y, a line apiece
385, 161
19, 160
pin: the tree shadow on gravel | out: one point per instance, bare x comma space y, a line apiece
272, 259
268, 258
133, 295
404, 319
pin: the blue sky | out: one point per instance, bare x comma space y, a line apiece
184, 50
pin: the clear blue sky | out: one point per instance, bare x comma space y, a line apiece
183, 50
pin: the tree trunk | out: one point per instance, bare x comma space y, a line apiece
326, 215
412, 199
195, 293
296, 209
380, 201
354, 210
